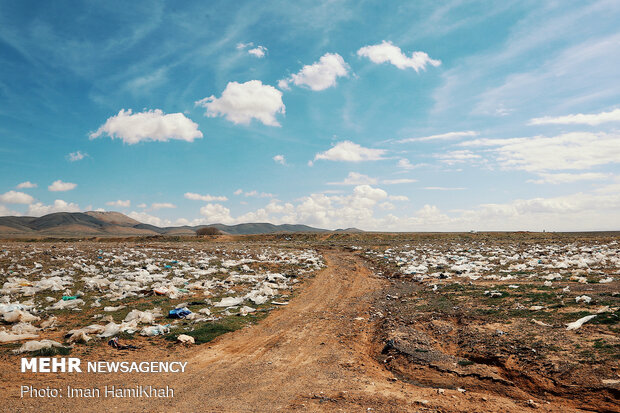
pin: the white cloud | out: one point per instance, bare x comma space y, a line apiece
149, 219
76, 156
257, 194
242, 102
387, 52
162, 205
407, 165
575, 150
443, 188
60, 186
142, 205
348, 151
319, 75
216, 214
241, 46
120, 203
563, 178
152, 125
258, 51
59, 205
355, 178
15, 197
454, 157
206, 198
398, 181
238, 191
387, 206
279, 159
443, 136
4, 211
579, 119
26, 184
398, 198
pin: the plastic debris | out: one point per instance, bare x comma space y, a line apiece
577, 324
19, 316
35, 345
583, 299
155, 330
6, 337
245, 310
179, 312
185, 339
229, 302
115, 344
144, 317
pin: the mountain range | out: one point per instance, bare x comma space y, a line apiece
95, 223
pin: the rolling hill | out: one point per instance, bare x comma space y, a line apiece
96, 223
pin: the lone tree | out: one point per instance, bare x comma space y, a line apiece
207, 231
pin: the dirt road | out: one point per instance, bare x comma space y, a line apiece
315, 354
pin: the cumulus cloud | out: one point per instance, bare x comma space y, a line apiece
255, 193
149, 219
355, 178
26, 184
579, 119
440, 137
407, 165
319, 75
76, 156
39, 209
15, 197
279, 159
242, 102
564, 178
216, 214
258, 51
348, 151
162, 205
152, 125
60, 186
575, 150
120, 203
398, 198
388, 52
206, 198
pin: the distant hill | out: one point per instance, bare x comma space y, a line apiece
95, 223
262, 228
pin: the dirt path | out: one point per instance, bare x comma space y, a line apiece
313, 354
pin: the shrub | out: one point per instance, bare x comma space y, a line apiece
208, 231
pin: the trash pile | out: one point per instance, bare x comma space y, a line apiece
150, 290
577, 261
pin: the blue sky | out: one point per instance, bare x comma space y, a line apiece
379, 115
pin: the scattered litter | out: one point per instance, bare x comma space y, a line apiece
179, 313
155, 330
185, 339
229, 302
8, 337
583, 299
35, 345
115, 344
245, 310
577, 324
112, 309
